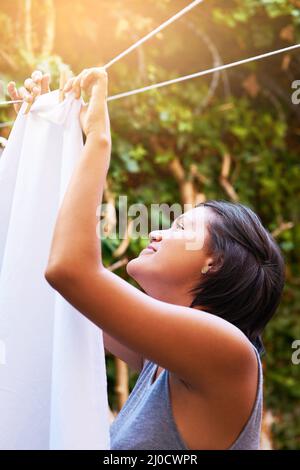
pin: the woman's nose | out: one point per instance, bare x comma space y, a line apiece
155, 235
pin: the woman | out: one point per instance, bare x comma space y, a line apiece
194, 331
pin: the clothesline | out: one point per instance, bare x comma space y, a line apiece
194, 75
175, 80
154, 32
202, 73
148, 36
6, 124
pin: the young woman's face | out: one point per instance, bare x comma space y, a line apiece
174, 265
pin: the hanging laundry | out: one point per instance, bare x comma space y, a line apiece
53, 386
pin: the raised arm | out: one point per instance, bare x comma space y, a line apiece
198, 347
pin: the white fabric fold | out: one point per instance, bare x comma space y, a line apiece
53, 386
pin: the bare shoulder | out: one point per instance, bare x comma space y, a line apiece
202, 413
233, 364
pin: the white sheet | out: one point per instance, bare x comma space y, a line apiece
53, 387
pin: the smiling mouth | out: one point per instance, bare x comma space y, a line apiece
150, 249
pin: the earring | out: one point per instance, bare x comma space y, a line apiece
205, 269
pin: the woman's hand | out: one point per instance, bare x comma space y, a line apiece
37, 85
94, 117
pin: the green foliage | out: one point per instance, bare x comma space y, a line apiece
258, 126
240, 11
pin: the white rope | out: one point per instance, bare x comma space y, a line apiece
6, 124
3, 103
154, 32
189, 77
202, 73
138, 43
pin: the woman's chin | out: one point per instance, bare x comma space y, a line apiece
131, 267
135, 267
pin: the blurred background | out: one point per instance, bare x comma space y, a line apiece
232, 135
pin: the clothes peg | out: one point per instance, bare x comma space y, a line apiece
29, 107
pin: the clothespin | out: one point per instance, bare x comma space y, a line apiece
65, 74
28, 107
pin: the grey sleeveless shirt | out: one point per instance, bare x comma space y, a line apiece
146, 420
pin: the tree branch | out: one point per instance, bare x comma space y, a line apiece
224, 178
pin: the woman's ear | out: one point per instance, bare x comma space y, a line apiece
207, 265
205, 269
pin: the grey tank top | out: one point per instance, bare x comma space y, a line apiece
146, 420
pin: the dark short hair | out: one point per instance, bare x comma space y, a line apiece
245, 283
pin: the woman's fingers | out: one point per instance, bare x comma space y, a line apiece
74, 83
77, 86
12, 91
82, 80
38, 83
68, 86
85, 80
25, 96
32, 86
41, 80
45, 84
29, 84
97, 75
37, 76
